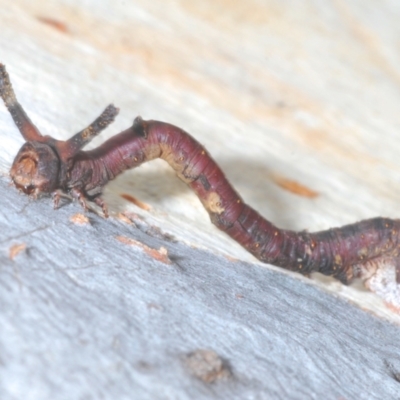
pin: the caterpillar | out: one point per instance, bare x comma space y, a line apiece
368, 249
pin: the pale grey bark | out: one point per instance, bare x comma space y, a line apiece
84, 316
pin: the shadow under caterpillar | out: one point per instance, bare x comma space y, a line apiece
369, 249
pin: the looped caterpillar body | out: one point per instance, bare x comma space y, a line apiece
368, 249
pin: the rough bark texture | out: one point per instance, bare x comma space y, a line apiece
86, 316
298, 103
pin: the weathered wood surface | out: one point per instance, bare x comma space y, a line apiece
306, 91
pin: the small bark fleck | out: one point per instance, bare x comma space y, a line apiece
54, 23
135, 201
207, 365
294, 187
159, 255
16, 249
79, 219
122, 217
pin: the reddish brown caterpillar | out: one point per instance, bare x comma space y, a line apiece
368, 249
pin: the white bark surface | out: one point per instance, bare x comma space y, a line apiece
306, 91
